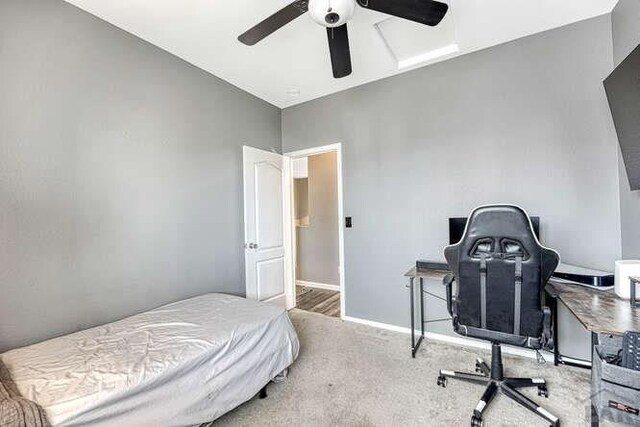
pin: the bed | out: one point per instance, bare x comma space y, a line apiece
182, 364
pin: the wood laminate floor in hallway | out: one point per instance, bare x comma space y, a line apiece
318, 301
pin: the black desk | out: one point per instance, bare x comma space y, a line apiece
600, 312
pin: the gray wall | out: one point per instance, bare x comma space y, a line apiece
626, 36
120, 165
317, 257
525, 122
120, 173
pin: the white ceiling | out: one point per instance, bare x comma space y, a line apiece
296, 58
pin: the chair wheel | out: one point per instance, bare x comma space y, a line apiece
543, 391
479, 368
442, 381
476, 421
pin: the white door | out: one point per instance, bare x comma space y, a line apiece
266, 199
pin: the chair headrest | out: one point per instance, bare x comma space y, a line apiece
503, 231
505, 221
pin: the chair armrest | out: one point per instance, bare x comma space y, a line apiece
547, 331
448, 283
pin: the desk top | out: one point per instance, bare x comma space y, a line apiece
428, 273
598, 311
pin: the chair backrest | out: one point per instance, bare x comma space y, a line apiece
501, 270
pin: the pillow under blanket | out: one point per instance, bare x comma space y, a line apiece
16, 411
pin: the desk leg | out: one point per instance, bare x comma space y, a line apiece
633, 300
411, 305
421, 308
558, 359
595, 420
554, 318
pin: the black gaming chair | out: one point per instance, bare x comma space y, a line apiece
500, 270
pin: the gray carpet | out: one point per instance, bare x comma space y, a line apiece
355, 375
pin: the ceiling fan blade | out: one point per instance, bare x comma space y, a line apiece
274, 22
339, 50
428, 12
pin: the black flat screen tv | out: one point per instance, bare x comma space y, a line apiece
457, 225
623, 93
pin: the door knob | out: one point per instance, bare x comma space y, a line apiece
251, 246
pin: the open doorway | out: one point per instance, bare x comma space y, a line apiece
317, 236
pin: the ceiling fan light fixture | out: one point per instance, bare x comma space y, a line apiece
334, 15
331, 13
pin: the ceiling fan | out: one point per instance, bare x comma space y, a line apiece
334, 15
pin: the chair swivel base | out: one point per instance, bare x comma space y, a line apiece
496, 382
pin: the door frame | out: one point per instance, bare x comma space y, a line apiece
290, 240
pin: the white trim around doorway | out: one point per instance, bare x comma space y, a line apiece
290, 242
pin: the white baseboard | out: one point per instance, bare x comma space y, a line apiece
460, 341
378, 325
318, 285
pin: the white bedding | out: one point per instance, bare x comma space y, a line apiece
182, 364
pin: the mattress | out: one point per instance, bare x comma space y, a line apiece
182, 364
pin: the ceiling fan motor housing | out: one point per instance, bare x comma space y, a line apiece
331, 13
